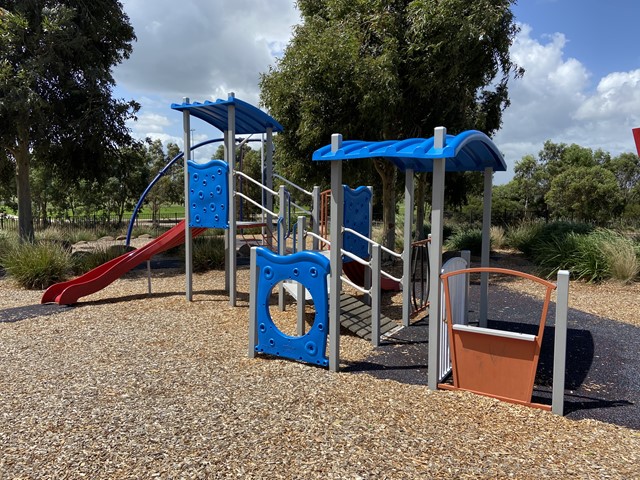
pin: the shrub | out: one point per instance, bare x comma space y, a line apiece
208, 253
523, 236
623, 258
597, 256
38, 265
498, 237
85, 261
7, 243
467, 239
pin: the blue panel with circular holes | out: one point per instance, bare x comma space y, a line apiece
357, 203
208, 194
311, 270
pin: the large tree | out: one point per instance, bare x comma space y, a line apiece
388, 69
56, 102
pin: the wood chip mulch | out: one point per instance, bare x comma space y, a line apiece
129, 386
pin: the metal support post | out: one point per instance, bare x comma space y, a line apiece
435, 258
301, 291
335, 282
376, 265
406, 252
486, 246
315, 216
188, 240
253, 292
231, 160
282, 247
560, 343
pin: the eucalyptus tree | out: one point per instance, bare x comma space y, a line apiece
391, 69
56, 102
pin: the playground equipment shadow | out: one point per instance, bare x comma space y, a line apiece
602, 371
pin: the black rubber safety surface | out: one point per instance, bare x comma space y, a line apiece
602, 379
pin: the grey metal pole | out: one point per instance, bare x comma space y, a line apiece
315, 215
376, 261
188, 240
406, 253
486, 246
227, 232
335, 237
268, 181
301, 293
368, 272
466, 256
231, 154
435, 255
253, 292
560, 343
282, 248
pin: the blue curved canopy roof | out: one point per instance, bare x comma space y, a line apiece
249, 119
468, 151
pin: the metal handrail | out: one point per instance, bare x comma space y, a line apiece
261, 185
279, 177
372, 242
255, 203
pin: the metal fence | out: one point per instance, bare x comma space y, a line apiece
95, 222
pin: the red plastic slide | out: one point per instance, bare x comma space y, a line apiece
67, 293
355, 272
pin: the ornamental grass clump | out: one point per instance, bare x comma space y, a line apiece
623, 257
208, 253
85, 261
36, 266
599, 255
466, 239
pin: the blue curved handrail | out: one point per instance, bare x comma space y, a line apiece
164, 170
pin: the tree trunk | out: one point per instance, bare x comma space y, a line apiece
420, 204
25, 213
387, 172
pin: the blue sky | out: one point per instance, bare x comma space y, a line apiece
582, 62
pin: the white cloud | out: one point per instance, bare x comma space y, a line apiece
617, 94
203, 50
553, 101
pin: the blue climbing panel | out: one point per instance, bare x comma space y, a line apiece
356, 217
311, 270
208, 194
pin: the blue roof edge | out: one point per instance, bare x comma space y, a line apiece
245, 112
408, 152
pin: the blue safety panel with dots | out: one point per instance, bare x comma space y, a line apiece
311, 270
208, 194
357, 216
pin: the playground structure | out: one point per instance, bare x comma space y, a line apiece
210, 200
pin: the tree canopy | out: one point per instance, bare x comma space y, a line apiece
576, 183
56, 104
378, 70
